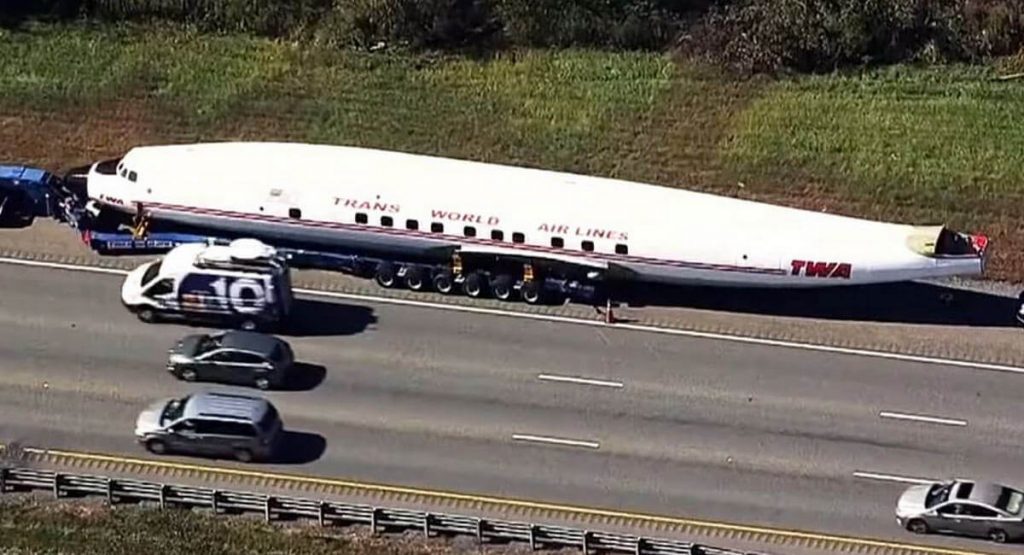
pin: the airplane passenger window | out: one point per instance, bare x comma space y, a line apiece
412, 224
518, 237
437, 227
294, 213
132, 176
497, 235
621, 249
588, 246
469, 231
557, 242
361, 218
386, 221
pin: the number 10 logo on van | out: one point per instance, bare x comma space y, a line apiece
231, 294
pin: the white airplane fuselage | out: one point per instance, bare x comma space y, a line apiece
407, 204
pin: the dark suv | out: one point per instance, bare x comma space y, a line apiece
210, 423
235, 357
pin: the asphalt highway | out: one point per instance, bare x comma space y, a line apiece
677, 426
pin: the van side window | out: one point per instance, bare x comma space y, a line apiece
437, 227
518, 237
497, 235
361, 218
161, 287
387, 221
412, 224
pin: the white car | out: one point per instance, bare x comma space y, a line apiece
962, 507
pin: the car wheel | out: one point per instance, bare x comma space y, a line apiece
188, 374
918, 526
156, 446
997, 535
263, 383
243, 455
147, 315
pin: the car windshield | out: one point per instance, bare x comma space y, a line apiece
938, 494
151, 272
174, 410
208, 343
1010, 500
277, 353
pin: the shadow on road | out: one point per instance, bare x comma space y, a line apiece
312, 317
910, 302
299, 448
304, 376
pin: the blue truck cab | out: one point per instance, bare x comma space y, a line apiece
25, 192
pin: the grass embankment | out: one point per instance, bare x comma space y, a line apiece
30, 525
920, 145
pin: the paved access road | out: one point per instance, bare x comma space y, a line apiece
430, 398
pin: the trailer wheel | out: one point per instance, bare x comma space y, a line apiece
414, 278
474, 285
503, 287
531, 292
444, 282
386, 275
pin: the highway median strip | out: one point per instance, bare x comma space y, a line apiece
441, 499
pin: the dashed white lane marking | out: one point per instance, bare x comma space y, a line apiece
577, 380
556, 441
893, 478
922, 418
580, 321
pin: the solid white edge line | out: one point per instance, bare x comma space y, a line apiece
922, 418
556, 441
574, 379
579, 321
893, 478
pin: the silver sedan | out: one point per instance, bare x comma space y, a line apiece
963, 507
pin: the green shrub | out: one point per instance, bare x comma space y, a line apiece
823, 35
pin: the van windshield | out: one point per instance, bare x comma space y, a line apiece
151, 272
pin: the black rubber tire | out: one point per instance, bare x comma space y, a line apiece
531, 293
918, 526
147, 315
475, 285
444, 282
386, 275
156, 447
998, 535
415, 278
503, 287
189, 375
243, 455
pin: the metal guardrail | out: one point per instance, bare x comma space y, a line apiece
379, 519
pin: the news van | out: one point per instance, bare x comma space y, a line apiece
244, 284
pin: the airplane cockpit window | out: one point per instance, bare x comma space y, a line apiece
132, 176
